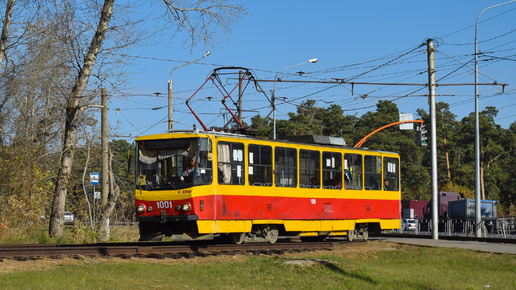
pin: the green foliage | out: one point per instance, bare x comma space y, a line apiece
42, 236
122, 150
302, 123
453, 187
261, 127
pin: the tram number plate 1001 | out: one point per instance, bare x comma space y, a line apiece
164, 204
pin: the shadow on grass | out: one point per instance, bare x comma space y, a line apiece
338, 270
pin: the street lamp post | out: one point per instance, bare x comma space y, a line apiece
478, 218
313, 60
170, 99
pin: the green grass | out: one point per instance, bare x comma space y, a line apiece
372, 265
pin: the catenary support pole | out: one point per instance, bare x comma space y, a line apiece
170, 107
433, 141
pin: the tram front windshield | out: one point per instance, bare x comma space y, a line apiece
173, 163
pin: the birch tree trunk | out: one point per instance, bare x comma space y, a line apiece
70, 130
9, 8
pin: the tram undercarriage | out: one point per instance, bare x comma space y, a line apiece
271, 233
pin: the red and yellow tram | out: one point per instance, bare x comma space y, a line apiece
220, 184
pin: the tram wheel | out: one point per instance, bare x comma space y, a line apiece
350, 236
237, 238
272, 234
365, 235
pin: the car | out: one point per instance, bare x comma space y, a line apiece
69, 218
409, 225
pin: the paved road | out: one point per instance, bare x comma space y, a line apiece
476, 246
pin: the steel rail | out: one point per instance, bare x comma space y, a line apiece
155, 249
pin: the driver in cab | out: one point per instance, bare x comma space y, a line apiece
190, 170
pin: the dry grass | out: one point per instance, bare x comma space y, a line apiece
37, 233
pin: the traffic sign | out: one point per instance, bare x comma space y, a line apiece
94, 178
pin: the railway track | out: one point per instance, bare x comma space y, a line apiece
157, 250
190, 250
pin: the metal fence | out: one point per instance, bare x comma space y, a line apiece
495, 228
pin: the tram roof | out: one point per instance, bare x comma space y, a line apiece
314, 140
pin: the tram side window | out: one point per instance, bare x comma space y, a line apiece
230, 163
260, 165
373, 172
285, 166
332, 170
309, 169
391, 174
353, 171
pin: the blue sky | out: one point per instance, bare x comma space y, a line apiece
360, 41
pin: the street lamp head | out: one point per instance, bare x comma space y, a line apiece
187, 63
313, 60
170, 100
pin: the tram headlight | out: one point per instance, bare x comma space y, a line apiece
149, 209
140, 208
186, 207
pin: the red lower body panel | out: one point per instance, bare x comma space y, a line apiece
230, 207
